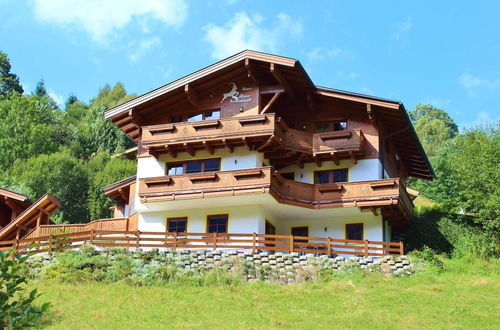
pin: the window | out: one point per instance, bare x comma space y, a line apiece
176, 225
194, 166
175, 169
211, 165
321, 127
339, 125
330, 176
211, 115
197, 116
354, 231
300, 231
288, 175
217, 223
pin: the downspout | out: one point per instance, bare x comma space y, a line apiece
382, 147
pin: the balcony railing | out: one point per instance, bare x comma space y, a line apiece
260, 132
209, 184
208, 130
375, 193
345, 194
165, 240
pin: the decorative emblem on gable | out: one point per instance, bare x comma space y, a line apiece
235, 96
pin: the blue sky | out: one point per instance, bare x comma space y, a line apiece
445, 53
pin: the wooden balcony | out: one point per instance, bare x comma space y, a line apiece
388, 194
201, 185
208, 134
263, 133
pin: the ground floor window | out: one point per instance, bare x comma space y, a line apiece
217, 223
177, 225
354, 231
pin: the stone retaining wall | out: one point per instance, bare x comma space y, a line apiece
277, 267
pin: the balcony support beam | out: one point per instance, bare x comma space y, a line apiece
353, 157
191, 94
271, 102
334, 158
171, 151
208, 147
189, 149
246, 143
227, 145
282, 80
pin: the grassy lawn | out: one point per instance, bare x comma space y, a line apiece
462, 296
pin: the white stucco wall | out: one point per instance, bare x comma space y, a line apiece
242, 219
335, 225
365, 169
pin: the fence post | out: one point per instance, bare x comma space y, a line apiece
329, 246
401, 248
50, 243
254, 238
291, 244
215, 241
137, 239
91, 237
174, 244
366, 248
17, 245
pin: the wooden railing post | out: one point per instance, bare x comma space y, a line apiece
291, 248
401, 248
16, 245
329, 246
215, 241
254, 241
366, 248
174, 244
91, 241
50, 243
137, 239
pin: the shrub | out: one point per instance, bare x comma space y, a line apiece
16, 308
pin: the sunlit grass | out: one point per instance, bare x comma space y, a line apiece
464, 296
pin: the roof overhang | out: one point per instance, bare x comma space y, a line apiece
392, 114
13, 195
118, 191
46, 204
180, 83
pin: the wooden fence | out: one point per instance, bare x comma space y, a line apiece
255, 242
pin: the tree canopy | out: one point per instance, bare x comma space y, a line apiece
62, 152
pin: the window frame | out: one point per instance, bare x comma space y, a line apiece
185, 162
217, 215
184, 117
176, 219
331, 124
331, 175
355, 224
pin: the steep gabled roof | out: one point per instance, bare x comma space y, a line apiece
179, 83
46, 204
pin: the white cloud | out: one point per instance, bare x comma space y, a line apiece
320, 53
403, 28
248, 32
103, 19
58, 98
139, 48
470, 81
473, 83
483, 119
